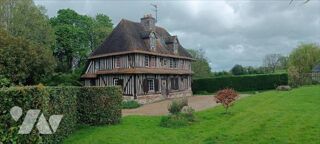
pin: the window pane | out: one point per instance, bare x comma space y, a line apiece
117, 62
115, 81
151, 84
153, 61
97, 65
146, 61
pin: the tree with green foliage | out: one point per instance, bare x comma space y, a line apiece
24, 19
26, 38
22, 61
200, 66
302, 60
251, 70
76, 36
238, 70
72, 39
102, 27
305, 57
221, 73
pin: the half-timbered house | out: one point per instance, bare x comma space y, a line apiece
144, 59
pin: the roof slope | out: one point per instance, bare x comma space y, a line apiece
128, 37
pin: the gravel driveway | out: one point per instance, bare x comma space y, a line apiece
161, 108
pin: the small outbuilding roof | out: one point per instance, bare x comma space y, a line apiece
316, 69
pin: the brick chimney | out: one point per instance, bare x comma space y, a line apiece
148, 22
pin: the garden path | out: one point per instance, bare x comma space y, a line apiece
161, 108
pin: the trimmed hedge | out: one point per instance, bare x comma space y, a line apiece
99, 105
240, 83
56, 100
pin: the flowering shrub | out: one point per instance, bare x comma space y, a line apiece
226, 97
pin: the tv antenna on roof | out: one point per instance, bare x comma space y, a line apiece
155, 10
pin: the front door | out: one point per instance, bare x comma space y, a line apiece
164, 88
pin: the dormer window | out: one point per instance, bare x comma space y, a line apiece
175, 46
153, 41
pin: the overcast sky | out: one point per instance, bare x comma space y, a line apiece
229, 31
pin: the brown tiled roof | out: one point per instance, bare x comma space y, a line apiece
131, 37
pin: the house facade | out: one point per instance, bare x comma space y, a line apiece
144, 59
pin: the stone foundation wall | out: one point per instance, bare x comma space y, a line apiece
144, 99
127, 98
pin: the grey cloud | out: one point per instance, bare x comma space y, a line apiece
230, 32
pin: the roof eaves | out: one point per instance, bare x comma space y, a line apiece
138, 51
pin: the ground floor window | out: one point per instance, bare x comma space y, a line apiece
92, 82
151, 84
117, 81
174, 83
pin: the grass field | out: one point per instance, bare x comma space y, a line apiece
268, 117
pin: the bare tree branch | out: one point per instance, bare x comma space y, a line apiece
306, 1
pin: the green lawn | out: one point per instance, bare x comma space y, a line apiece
269, 117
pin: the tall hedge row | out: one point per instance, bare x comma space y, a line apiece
68, 101
240, 83
99, 105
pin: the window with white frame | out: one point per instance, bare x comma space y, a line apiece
130, 60
146, 61
96, 65
102, 64
153, 61
153, 41
163, 61
117, 62
151, 84
183, 64
175, 63
115, 81
175, 83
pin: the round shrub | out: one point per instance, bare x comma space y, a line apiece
176, 106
